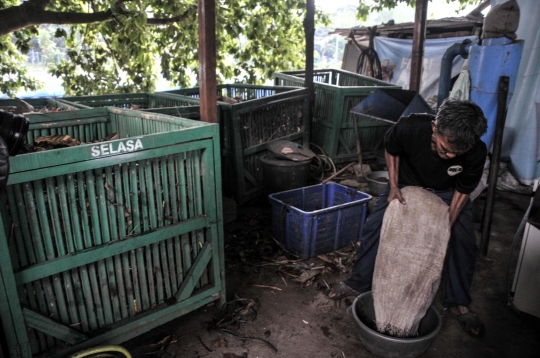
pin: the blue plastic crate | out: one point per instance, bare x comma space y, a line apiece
318, 219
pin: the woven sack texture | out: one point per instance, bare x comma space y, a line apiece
408, 268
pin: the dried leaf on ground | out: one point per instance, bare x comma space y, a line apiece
165, 341
220, 343
307, 275
325, 258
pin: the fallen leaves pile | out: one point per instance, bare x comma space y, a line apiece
251, 248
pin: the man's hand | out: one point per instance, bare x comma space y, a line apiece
395, 193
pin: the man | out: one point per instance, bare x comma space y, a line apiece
443, 154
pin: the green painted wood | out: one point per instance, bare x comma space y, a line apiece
176, 254
23, 255
99, 312
194, 273
114, 215
50, 104
10, 311
52, 327
145, 322
191, 202
79, 300
107, 220
106, 268
336, 91
69, 164
212, 169
136, 101
125, 223
264, 114
97, 253
166, 248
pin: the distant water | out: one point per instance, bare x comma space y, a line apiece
52, 86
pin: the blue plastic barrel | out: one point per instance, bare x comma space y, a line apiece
495, 58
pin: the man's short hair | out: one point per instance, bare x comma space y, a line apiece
462, 121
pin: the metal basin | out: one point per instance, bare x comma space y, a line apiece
382, 345
377, 187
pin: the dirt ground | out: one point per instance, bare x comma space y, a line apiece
298, 321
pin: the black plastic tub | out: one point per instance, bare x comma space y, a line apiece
282, 174
382, 345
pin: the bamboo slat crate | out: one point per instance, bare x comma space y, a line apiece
264, 114
336, 93
44, 103
137, 101
104, 241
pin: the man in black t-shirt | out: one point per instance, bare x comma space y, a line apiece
443, 154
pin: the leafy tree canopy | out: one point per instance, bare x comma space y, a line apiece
118, 46
367, 6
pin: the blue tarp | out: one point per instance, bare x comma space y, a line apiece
398, 53
521, 133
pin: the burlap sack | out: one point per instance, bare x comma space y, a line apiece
408, 268
502, 21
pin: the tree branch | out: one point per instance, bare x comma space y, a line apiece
32, 12
165, 21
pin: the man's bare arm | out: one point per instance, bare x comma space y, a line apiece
392, 161
456, 205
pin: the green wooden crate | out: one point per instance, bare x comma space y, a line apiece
137, 101
43, 103
265, 114
336, 93
104, 241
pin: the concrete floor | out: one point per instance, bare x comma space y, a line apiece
299, 321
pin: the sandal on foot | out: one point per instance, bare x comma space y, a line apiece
469, 322
340, 291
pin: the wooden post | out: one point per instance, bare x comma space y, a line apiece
502, 98
419, 37
207, 60
309, 29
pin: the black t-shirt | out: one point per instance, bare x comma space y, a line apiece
410, 138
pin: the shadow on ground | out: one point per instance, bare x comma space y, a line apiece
276, 303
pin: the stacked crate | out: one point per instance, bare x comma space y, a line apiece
336, 93
104, 241
263, 114
39, 104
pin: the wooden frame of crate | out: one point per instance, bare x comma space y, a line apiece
43, 103
104, 241
336, 93
136, 101
264, 114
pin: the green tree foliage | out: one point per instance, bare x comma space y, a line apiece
367, 6
116, 46
120, 46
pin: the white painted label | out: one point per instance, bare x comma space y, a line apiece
129, 145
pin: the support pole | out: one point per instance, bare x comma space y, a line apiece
309, 29
419, 37
207, 60
494, 164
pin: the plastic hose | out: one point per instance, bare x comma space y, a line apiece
321, 164
102, 351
